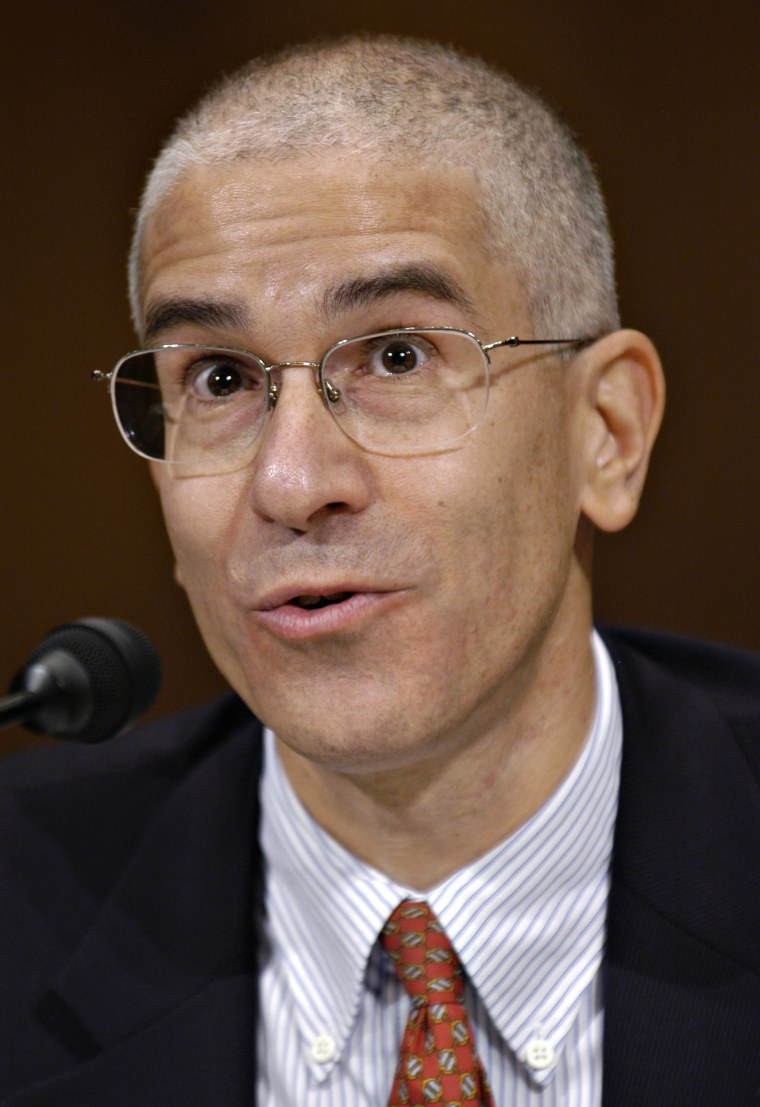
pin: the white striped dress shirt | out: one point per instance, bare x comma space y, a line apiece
526, 919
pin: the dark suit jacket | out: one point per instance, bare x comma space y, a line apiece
131, 897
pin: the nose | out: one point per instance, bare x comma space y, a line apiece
305, 468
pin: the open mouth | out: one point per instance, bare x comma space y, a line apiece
311, 603
307, 615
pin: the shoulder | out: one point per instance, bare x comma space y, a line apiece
728, 675
60, 799
167, 745
673, 684
690, 716
682, 954
129, 835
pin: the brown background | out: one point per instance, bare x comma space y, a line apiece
663, 94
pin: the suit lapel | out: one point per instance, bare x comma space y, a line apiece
682, 987
176, 944
201, 1052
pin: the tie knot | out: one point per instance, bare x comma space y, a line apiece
422, 955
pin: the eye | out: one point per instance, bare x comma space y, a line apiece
398, 354
217, 378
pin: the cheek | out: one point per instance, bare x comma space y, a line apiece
514, 529
200, 514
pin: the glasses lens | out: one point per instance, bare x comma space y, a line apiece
187, 404
402, 392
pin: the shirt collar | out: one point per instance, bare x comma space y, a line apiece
325, 907
526, 919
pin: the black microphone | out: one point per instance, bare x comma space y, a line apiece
85, 681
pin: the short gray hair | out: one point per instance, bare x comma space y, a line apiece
543, 208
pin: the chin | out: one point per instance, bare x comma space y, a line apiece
355, 739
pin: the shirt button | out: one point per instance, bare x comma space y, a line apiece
539, 1054
323, 1049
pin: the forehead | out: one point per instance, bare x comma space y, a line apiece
289, 229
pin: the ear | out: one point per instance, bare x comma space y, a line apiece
624, 398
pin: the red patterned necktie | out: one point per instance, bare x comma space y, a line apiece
438, 1061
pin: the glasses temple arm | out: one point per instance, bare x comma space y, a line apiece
515, 341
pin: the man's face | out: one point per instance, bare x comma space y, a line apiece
458, 591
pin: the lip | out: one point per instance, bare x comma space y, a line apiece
285, 619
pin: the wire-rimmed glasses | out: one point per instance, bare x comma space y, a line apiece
401, 392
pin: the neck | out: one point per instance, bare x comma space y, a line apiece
488, 784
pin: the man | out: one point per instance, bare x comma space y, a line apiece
387, 401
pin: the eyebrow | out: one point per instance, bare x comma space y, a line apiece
357, 292
354, 292
167, 312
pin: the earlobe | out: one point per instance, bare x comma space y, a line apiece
625, 396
